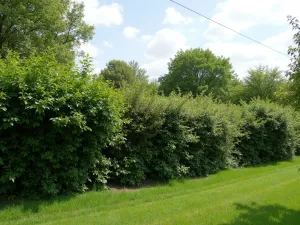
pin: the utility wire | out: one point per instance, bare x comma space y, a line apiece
183, 6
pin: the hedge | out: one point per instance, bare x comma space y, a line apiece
174, 137
180, 136
270, 133
64, 131
55, 121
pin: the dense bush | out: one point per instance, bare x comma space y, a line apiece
181, 136
217, 128
63, 131
270, 133
54, 123
174, 137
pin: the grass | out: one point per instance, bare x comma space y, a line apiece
267, 195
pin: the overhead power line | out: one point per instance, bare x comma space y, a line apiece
183, 6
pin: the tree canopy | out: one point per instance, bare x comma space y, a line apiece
140, 73
118, 72
294, 67
35, 25
197, 71
263, 82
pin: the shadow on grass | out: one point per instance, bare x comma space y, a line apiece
148, 183
255, 214
265, 164
32, 206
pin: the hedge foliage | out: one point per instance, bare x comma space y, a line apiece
63, 131
180, 136
54, 123
271, 133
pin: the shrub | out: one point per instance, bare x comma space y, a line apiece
173, 137
55, 122
181, 136
270, 133
145, 117
217, 128
62, 131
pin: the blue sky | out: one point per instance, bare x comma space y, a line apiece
151, 32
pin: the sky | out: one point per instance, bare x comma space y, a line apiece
152, 31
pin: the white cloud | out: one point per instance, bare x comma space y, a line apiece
147, 37
242, 15
160, 49
282, 41
165, 44
244, 56
90, 49
95, 52
174, 17
192, 30
130, 32
239, 52
202, 20
97, 70
107, 44
156, 68
107, 15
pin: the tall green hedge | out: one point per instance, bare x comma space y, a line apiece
180, 136
174, 137
55, 121
63, 131
270, 133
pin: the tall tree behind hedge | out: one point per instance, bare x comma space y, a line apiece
118, 72
140, 73
198, 71
294, 67
236, 90
26, 25
263, 82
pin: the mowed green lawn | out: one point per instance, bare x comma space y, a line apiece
268, 195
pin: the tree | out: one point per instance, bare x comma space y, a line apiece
263, 82
284, 94
236, 90
140, 73
294, 67
118, 72
197, 71
28, 25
